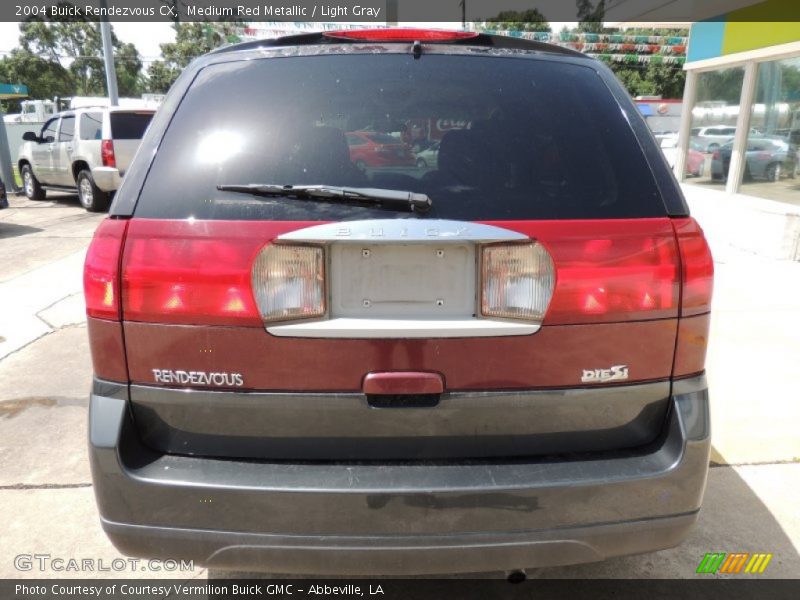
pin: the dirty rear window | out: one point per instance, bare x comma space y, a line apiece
129, 126
485, 137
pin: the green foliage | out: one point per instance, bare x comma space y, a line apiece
525, 20
44, 78
650, 31
77, 46
722, 85
191, 40
590, 17
650, 79
65, 58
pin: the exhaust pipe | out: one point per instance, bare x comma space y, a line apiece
516, 577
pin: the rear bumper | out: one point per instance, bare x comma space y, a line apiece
396, 519
107, 179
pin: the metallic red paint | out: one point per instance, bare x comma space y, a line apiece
553, 357
690, 350
108, 349
403, 382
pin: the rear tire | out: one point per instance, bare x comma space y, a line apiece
773, 171
92, 197
421, 163
31, 185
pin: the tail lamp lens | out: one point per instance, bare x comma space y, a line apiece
107, 153
289, 282
697, 265
101, 270
517, 281
190, 273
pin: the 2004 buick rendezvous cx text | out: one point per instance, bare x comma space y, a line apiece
307, 366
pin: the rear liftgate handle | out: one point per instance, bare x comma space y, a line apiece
403, 389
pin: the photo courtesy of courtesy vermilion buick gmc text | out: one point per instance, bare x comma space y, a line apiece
311, 360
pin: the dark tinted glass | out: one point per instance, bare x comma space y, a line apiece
129, 126
518, 138
91, 127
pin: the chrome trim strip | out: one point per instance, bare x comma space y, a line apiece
403, 328
403, 230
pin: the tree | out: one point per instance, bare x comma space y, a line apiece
76, 45
160, 77
591, 17
525, 20
667, 80
129, 70
191, 40
44, 78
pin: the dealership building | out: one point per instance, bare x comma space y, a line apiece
741, 104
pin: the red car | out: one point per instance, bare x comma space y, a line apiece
375, 149
695, 160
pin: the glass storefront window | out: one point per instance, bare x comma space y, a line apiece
714, 116
771, 163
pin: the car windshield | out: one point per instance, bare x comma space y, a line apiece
506, 148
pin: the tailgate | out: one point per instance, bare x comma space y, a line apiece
402, 364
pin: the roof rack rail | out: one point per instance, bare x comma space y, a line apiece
485, 40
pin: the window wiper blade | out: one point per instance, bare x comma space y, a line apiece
377, 197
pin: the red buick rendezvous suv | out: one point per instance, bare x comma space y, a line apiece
302, 366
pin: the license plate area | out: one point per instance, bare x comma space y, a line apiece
390, 280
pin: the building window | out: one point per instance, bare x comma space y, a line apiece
714, 116
771, 163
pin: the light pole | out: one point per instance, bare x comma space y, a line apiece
108, 58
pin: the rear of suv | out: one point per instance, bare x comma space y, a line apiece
86, 150
307, 366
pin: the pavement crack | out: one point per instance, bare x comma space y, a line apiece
44, 486
763, 463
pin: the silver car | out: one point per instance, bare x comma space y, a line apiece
87, 150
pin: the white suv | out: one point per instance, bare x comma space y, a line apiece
87, 150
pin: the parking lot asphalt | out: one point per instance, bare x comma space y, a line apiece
45, 372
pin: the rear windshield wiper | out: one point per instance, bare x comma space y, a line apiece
377, 197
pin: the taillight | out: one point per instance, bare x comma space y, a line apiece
190, 273
517, 281
608, 271
107, 153
289, 282
401, 35
101, 270
697, 266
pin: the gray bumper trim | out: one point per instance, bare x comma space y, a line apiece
290, 517
398, 555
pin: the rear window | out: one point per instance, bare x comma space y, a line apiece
129, 126
513, 137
